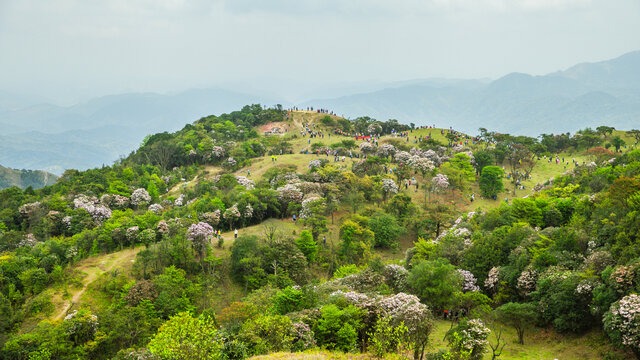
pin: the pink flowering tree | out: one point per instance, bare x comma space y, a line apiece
622, 322
440, 182
199, 236
162, 228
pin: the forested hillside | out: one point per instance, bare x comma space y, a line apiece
25, 178
301, 233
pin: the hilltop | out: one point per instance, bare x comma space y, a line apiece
358, 236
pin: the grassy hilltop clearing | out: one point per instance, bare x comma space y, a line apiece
269, 233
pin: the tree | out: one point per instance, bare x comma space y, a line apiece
354, 199
636, 134
435, 282
491, 181
520, 316
312, 215
306, 244
604, 130
617, 142
481, 159
387, 338
185, 337
386, 230
468, 340
498, 347
200, 235
356, 242
622, 322
518, 157
338, 328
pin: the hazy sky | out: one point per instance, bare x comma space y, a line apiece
73, 49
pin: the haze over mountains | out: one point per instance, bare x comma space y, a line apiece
38, 135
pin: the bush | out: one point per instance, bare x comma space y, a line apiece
307, 245
435, 282
386, 230
338, 328
185, 337
491, 181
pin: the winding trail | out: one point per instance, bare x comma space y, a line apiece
93, 267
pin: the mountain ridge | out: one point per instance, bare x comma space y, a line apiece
584, 95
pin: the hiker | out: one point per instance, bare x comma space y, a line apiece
294, 218
235, 234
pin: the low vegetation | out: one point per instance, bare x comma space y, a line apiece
329, 238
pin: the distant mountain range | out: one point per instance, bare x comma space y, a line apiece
25, 178
99, 131
38, 135
589, 94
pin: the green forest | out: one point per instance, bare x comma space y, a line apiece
277, 233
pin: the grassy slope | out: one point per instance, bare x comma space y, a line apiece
75, 292
542, 344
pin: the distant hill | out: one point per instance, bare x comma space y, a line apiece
588, 94
101, 130
25, 178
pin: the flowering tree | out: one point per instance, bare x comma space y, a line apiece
527, 281
244, 181
492, 280
29, 240
289, 193
230, 163
440, 182
408, 310
420, 164
81, 326
132, 234
232, 214
162, 228
388, 187
98, 212
386, 150
140, 197
303, 337
469, 281
374, 129
402, 156
315, 164
622, 322
468, 340
217, 152
199, 235
211, 218
156, 208
366, 147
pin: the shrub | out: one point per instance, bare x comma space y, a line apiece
386, 230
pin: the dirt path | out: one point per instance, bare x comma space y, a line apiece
94, 267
